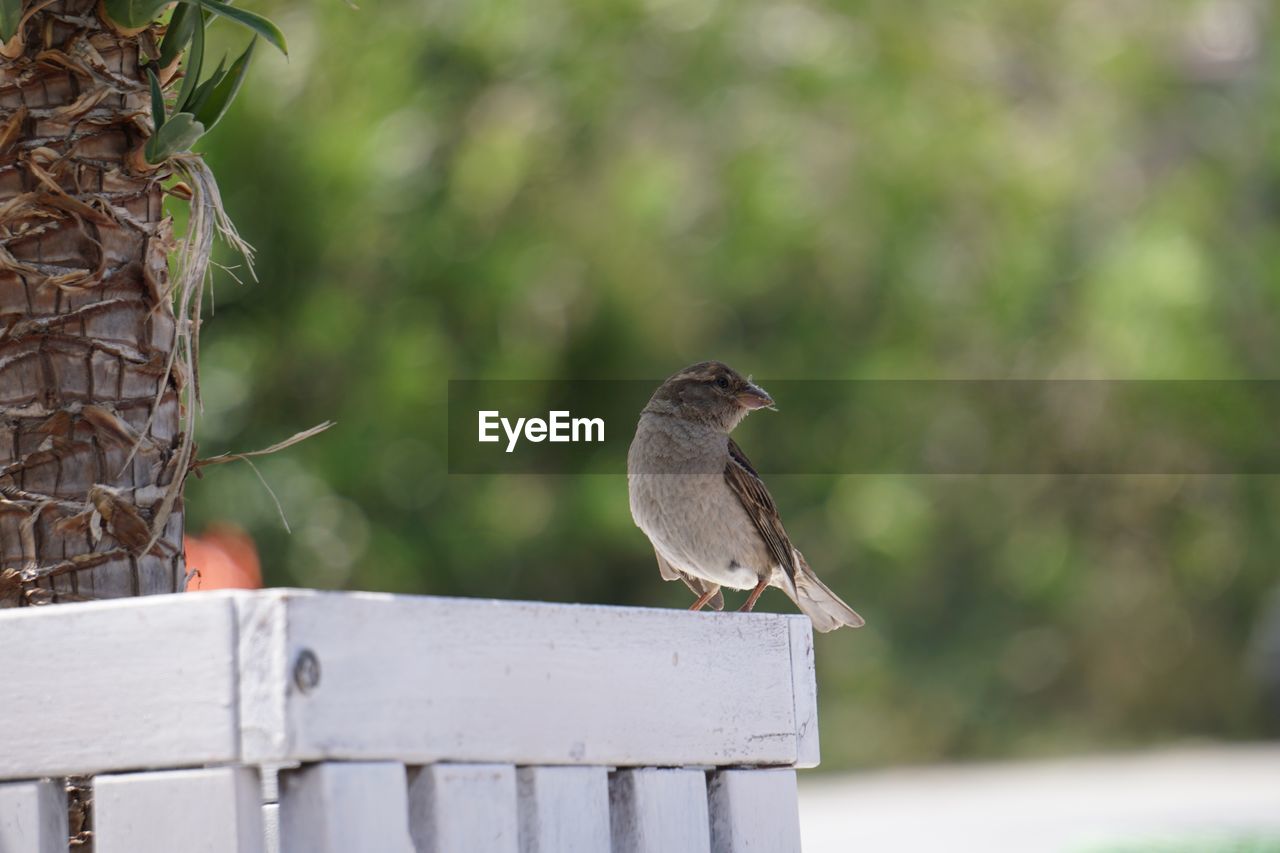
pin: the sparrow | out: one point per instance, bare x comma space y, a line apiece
706, 511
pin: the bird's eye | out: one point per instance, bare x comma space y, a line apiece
722, 382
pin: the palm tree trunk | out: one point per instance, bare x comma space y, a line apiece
90, 395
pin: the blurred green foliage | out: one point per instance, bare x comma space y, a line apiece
615, 188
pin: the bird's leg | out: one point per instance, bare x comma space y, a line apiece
704, 598
755, 594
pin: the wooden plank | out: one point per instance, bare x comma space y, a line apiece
804, 689
754, 811
563, 809
33, 817
214, 678
116, 685
263, 653
212, 810
488, 681
339, 807
659, 811
463, 808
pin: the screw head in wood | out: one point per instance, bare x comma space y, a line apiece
306, 671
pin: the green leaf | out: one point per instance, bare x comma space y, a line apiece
202, 92
157, 101
252, 20
133, 13
139, 13
212, 108
195, 63
179, 133
178, 35
10, 18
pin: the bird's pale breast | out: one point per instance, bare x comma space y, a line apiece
680, 499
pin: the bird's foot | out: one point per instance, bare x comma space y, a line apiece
754, 596
704, 598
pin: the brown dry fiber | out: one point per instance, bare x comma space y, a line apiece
91, 385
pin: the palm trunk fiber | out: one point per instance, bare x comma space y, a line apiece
90, 392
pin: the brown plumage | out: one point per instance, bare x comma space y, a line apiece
708, 514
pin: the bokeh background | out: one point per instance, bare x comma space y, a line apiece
838, 190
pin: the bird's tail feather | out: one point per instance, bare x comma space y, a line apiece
823, 607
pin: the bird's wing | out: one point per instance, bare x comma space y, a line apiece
697, 585
755, 498
668, 572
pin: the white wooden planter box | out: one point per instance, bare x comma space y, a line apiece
403, 723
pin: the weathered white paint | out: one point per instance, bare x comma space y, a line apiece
116, 685
659, 811
190, 680
463, 808
804, 686
563, 809
754, 811
481, 681
265, 680
271, 780
344, 807
33, 817
214, 810
271, 827
271, 804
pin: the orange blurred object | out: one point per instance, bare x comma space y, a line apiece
224, 557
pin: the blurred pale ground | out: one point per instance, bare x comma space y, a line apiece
1175, 801
615, 188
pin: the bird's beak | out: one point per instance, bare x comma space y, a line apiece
754, 397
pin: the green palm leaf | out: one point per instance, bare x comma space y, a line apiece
10, 18
252, 20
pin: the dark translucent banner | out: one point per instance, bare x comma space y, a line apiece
892, 427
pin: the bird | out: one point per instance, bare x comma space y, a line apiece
705, 510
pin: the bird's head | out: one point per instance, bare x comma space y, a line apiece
711, 393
